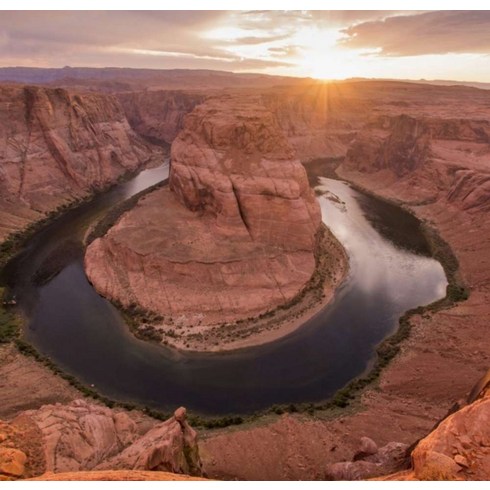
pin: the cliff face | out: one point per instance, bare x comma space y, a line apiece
235, 234
158, 115
404, 143
399, 143
233, 161
426, 158
320, 120
56, 146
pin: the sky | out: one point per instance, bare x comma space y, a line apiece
450, 45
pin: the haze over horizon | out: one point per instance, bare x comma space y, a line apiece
448, 45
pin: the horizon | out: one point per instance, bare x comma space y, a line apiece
323, 45
469, 83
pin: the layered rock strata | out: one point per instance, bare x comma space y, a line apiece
158, 115
233, 236
82, 436
56, 146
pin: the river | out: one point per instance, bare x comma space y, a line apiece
390, 272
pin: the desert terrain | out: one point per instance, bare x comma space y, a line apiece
424, 147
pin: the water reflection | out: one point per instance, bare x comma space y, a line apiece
377, 263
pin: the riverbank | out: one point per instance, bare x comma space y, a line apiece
13, 243
331, 268
29, 379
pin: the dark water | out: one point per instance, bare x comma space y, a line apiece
83, 333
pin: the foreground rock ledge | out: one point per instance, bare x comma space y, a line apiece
83, 436
233, 236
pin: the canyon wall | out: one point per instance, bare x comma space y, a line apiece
319, 120
233, 236
158, 115
56, 146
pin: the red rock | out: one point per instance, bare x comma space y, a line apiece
83, 436
233, 238
12, 462
58, 146
158, 115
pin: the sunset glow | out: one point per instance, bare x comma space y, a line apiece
321, 44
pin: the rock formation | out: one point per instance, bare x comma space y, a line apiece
369, 464
234, 235
82, 436
232, 161
459, 448
57, 146
404, 143
158, 115
320, 120
170, 446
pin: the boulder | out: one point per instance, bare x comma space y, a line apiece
12, 462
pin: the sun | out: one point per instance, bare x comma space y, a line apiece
320, 56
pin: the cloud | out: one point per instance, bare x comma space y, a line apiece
285, 51
260, 39
440, 32
69, 37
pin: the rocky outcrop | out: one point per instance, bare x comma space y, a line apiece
12, 463
56, 146
399, 143
232, 161
235, 234
426, 158
456, 449
470, 189
459, 448
170, 446
404, 143
82, 436
369, 461
158, 115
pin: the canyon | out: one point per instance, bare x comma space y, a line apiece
234, 235
424, 147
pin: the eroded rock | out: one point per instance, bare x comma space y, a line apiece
58, 146
12, 462
233, 237
170, 446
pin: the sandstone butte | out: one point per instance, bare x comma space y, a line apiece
233, 236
